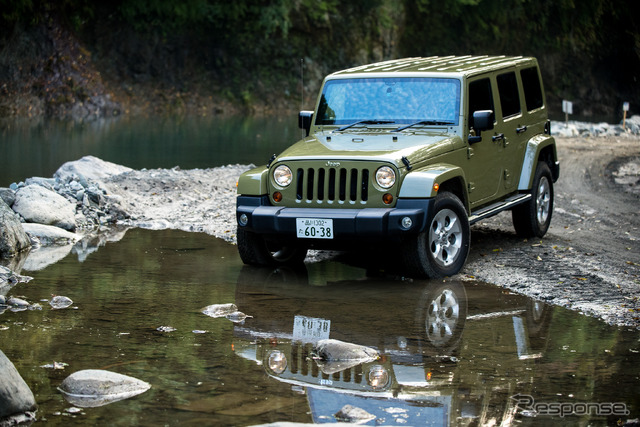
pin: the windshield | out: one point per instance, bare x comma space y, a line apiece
395, 99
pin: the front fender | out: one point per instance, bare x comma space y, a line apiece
531, 156
254, 182
420, 183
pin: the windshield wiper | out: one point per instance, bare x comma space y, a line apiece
365, 122
423, 122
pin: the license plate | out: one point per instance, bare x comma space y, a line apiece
314, 228
310, 329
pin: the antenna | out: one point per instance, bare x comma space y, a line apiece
302, 91
302, 83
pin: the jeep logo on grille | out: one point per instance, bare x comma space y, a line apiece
333, 164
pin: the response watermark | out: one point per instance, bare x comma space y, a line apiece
527, 403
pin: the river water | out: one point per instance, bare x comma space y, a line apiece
451, 352
39, 147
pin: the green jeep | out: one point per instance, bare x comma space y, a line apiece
408, 153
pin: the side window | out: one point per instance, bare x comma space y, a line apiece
532, 88
480, 97
509, 98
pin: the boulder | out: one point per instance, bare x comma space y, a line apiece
336, 350
89, 168
49, 235
43, 206
96, 387
13, 238
17, 402
220, 310
8, 195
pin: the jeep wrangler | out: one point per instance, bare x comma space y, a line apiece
408, 153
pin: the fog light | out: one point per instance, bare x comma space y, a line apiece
243, 219
378, 377
406, 223
277, 362
387, 198
277, 196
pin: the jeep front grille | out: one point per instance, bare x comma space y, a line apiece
305, 368
332, 184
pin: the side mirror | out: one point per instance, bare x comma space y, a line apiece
482, 120
304, 120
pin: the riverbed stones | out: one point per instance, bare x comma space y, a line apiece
17, 402
13, 238
95, 387
40, 205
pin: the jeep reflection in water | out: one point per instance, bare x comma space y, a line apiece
408, 153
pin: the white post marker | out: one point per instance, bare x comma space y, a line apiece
567, 108
625, 108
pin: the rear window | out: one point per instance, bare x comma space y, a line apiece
509, 98
532, 88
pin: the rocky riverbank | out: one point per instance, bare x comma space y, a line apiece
50, 216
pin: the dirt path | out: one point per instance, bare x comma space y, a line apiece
590, 258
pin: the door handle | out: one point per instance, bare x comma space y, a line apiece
521, 130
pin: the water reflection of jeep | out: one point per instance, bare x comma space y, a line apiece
406, 153
449, 351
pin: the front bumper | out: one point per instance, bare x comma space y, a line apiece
348, 224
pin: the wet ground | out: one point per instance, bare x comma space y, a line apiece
453, 352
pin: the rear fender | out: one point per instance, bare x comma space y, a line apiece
531, 157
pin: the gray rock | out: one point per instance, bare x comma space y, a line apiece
8, 277
60, 302
336, 350
237, 316
219, 310
94, 387
13, 238
17, 302
16, 399
89, 168
47, 183
42, 206
354, 415
8, 195
49, 235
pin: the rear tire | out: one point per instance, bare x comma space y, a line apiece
442, 249
532, 219
255, 250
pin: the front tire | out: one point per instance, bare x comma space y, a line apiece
442, 249
255, 250
532, 219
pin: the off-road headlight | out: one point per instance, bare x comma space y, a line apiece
378, 377
277, 362
282, 175
385, 177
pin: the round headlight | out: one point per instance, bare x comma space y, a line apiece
385, 177
282, 175
277, 362
378, 377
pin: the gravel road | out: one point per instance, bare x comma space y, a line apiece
589, 260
